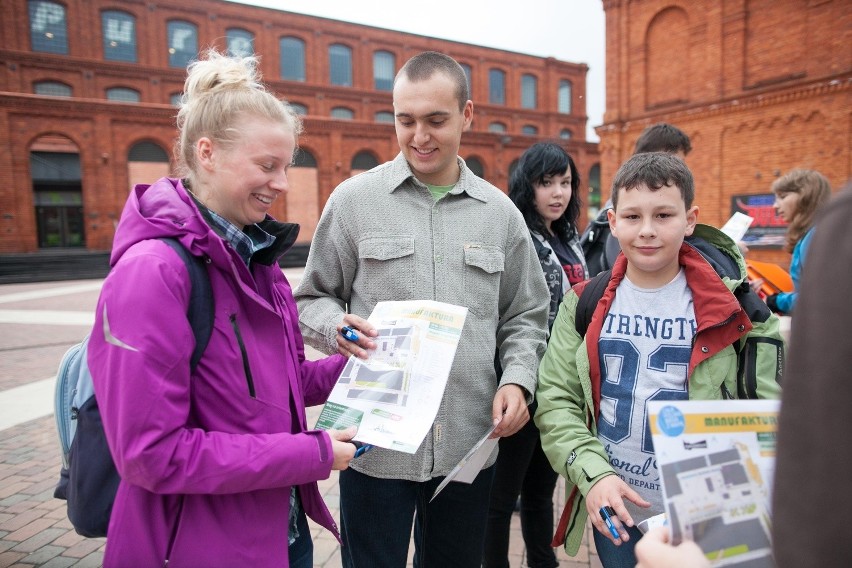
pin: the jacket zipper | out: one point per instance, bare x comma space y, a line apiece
748, 379
173, 536
246, 367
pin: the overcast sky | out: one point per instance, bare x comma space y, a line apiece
570, 30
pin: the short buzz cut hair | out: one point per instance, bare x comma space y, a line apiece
663, 137
422, 66
654, 170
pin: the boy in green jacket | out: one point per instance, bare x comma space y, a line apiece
664, 329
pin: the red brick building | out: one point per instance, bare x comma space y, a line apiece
88, 91
760, 86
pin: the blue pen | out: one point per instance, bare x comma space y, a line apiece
361, 448
606, 514
349, 333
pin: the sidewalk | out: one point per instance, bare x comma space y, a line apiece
38, 322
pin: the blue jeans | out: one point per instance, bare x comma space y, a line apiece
376, 516
301, 552
621, 556
522, 468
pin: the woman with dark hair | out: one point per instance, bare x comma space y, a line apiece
544, 187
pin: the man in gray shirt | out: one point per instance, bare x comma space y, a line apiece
424, 227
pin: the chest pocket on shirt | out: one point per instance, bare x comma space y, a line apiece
483, 269
387, 268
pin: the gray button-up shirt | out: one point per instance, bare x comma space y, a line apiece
382, 236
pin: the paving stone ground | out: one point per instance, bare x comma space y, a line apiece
34, 529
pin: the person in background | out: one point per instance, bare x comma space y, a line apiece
218, 467
424, 227
799, 194
600, 248
814, 432
666, 323
544, 187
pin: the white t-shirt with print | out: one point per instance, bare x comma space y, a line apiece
644, 352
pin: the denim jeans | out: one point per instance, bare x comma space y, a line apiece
301, 552
376, 517
621, 556
521, 468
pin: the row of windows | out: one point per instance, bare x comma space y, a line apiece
49, 33
50, 166
124, 94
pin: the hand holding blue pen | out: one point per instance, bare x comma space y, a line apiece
361, 448
607, 514
349, 333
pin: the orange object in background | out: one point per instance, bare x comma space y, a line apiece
768, 278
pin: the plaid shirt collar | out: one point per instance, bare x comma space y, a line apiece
246, 242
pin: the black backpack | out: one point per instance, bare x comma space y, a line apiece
88, 479
600, 248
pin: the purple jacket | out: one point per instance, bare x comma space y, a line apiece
206, 465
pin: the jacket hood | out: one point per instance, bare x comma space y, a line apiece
159, 210
721, 252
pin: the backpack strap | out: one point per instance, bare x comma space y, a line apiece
588, 301
200, 311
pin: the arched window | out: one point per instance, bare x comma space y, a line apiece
57, 192
529, 91
564, 96
240, 42
304, 159
384, 70
671, 26
123, 94
469, 74
529, 130
475, 166
512, 167
52, 89
383, 116
593, 203
147, 152
48, 27
299, 109
364, 161
496, 87
496, 127
175, 99
565, 134
146, 161
182, 38
292, 53
340, 65
342, 113
119, 36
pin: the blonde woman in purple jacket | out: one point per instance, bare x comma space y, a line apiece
218, 467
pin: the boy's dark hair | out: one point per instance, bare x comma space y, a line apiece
540, 160
654, 170
422, 66
663, 137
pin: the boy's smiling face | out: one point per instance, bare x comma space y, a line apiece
650, 227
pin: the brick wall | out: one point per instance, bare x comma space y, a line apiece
103, 132
760, 86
